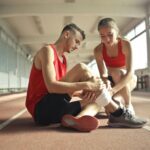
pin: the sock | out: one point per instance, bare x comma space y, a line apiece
104, 99
118, 112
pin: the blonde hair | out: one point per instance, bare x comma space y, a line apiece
108, 22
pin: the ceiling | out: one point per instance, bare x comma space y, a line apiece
36, 22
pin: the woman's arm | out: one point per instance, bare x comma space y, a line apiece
100, 62
127, 50
101, 65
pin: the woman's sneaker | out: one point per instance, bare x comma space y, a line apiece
130, 109
84, 123
126, 120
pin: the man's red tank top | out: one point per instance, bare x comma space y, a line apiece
114, 62
36, 87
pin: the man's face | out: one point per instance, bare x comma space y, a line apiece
73, 41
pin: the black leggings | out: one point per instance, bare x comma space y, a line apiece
111, 80
52, 107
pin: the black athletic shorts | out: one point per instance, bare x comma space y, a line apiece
111, 80
52, 107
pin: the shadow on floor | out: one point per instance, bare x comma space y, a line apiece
26, 124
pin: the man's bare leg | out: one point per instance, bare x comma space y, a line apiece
79, 72
84, 120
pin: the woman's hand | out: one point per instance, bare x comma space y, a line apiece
108, 84
111, 91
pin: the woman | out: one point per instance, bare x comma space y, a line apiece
114, 59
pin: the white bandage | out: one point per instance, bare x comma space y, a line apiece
103, 99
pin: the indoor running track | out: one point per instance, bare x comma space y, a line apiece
18, 132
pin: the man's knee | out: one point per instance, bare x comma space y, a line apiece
82, 66
84, 71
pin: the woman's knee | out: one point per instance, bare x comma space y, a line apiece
133, 81
116, 76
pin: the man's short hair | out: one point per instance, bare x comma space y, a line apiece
73, 27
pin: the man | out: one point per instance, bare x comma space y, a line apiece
51, 88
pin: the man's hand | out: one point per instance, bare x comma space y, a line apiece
95, 84
89, 96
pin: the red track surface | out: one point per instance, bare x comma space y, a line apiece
22, 134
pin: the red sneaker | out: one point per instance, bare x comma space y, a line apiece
84, 123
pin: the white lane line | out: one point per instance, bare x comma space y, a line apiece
147, 128
4, 124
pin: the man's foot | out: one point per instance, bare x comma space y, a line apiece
84, 123
126, 120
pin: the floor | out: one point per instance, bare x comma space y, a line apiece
18, 132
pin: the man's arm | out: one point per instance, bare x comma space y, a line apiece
46, 57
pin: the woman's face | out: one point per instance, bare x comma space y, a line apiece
108, 35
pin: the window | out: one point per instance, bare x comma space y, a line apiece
141, 27
3, 36
139, 45
131, 34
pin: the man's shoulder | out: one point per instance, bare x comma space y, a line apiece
46, 52
46, 49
